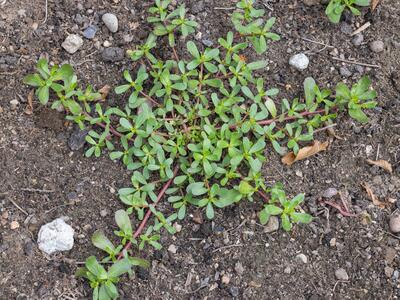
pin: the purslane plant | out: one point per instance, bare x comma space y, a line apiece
193, 129
335, 8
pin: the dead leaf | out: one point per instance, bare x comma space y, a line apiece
373, 197
305, 152
29, 108
381, 163
104, 91
374, 4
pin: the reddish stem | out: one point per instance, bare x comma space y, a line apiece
340, 209
148, 213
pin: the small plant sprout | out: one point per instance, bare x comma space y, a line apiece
335, 8
192, 129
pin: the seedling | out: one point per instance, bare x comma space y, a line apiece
335, 8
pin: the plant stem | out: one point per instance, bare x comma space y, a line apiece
148, 213
149, 98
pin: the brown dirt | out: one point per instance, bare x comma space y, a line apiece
34, 154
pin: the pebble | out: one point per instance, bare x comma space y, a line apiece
111, 22
272, 225
234, 291
239, 268
394, 223
302, 258
14, 104
311, 2
28, 248
207, 42
72, 43
104, 213
56, 236
346, 28
14, 225
345, 72
77, 139
172, 248
357, 39
377, 46
178, 227
107, 44
225, 279
299, 61
287, 270
330, 192
341, 274
90, 32
388, 271
113, 54
127, 38
1, 110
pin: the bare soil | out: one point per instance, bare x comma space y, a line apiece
40, 173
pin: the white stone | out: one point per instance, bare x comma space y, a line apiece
111, 21
56, 236
272, 225
302, 258
172, 248
72, 43
341, 274
299, 61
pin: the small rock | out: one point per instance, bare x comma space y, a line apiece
329, 193
299, 61
394, 223
272, 224
234, 291
332, 242
111, 21
112, 54
207, 42
239, 268
172, 248
389, 272
14, 104
127, 38
107, 44
345, 72
287, 270
357, 39
178, 227
311, 2
72, 43
377, 46
77, 139
56, 236
14, 225
302, 258
104, 213
225, 279
341, 274
90, 32
1, 110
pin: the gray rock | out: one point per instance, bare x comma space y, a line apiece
302, 258
72, 43
14, 104
299, 61
90, 32
239, 268
357, 39
330, 192
272, 225
28, 248
377, 46
77, 139
234, 291
111, 22
207, 42
341, 274
104, 213
394, 223
56, 236
359, 69
345, 72
112, 54
127, 38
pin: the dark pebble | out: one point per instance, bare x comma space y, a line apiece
206, 229
77, 139
158, 255
113, 54
28, 248
142, 273
64, 268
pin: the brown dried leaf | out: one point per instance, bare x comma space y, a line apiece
374, 4
305, 152
372, 196
381, 163
29, 108
104, 91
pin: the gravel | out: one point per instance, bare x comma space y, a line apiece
113, 54
377, 46
299, 61
302, 258
72, 43
56, 236
345, 72
90, 32
394, 223
111, 22
14, 104
272, 225
341, 274
357, 39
